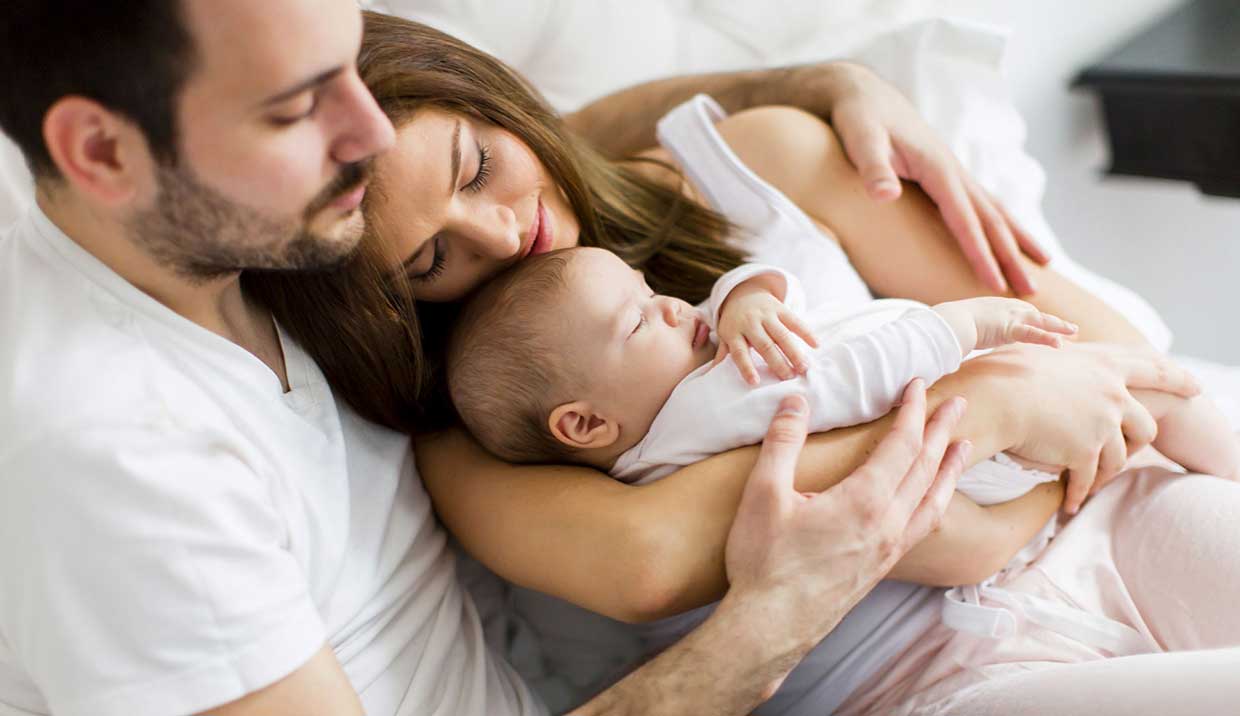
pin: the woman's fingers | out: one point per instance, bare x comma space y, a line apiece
1157, 372
961, 218
1110, 461
1080, 478
1138, 425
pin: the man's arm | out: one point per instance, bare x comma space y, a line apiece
797, 563
883, 135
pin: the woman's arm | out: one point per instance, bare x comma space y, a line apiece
642, 553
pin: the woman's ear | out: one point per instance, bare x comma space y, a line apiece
98, 152
578, 426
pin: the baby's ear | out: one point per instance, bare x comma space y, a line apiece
578, 426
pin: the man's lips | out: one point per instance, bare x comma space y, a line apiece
351, 199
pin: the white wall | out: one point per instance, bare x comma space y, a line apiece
1177, 248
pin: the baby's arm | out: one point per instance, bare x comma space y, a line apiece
757, 306
974, 542
1193, 433
990, 322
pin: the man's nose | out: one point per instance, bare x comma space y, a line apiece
366, 129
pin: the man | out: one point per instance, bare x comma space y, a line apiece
189, 522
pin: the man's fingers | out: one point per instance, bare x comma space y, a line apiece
777, 461
1001, 242
929, 514
1031, 246
962, 220
868, 147
896, 452
917, 480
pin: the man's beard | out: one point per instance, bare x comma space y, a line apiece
203, 235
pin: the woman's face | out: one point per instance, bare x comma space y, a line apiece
460, 199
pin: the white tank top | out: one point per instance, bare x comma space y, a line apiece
775, 231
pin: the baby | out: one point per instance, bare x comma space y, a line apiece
572, 358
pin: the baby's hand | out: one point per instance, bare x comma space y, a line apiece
990, 322
753, 317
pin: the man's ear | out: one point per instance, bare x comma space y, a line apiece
577, 425
97, 151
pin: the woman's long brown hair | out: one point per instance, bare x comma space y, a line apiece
381, 350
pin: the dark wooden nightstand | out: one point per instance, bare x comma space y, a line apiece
1171, 96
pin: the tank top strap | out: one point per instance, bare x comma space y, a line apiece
733, 189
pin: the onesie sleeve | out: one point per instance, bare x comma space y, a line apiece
793, 295
861, 379
147, 573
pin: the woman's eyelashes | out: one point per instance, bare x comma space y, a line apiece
479, 182
437, 263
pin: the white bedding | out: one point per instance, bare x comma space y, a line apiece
576, 51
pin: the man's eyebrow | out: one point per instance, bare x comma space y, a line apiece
319, 79
456, 157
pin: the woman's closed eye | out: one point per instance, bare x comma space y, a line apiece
437, 264
479, 182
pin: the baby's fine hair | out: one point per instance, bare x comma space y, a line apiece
503, 376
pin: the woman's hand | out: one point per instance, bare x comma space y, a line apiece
752, 317
1078, 411
814, 556
886, 139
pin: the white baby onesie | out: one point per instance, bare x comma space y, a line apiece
866, 356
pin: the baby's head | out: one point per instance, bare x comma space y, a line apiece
568, 357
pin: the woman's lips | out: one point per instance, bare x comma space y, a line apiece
542, 232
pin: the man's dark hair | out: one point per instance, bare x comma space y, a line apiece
132, 56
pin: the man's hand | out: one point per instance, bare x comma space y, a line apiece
887, 140
812, 557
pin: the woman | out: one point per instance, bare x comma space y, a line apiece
515, 183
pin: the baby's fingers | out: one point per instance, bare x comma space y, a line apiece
720, 353
769, 348
738, 348
1023, 333
792, 349
797, 326
1052, 323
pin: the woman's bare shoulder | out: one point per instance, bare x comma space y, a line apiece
786, 146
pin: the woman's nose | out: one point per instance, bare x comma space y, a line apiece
492, 233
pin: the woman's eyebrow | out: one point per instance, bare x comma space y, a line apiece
456, 158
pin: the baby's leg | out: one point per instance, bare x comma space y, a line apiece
1193, 433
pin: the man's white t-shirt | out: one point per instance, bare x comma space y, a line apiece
177, 532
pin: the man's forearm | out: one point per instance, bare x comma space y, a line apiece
728, 665
623, 123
